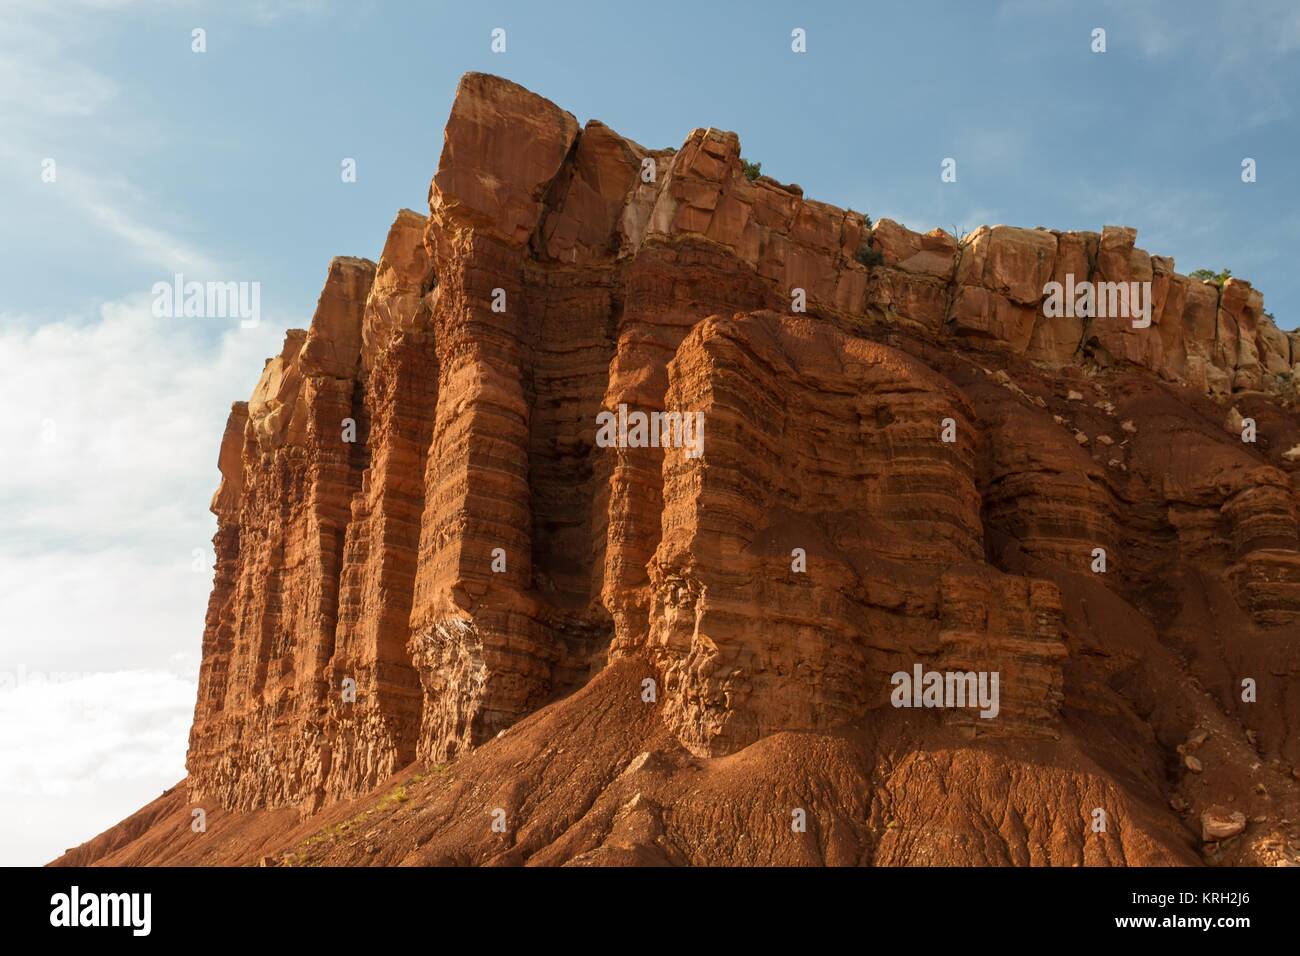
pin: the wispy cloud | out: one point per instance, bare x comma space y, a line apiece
1164, 219
268, 11
151, 245
47, 80
31, 87
1239, 43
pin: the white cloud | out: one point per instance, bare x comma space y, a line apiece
111, 427
117, 422
69, 606
111, 431
77, 756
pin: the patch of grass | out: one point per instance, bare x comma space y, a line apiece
337, 831
392, 798
333, 832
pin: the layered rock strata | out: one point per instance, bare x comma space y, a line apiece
421, 538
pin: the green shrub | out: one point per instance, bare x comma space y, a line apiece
752, 170
870, 256
1209, 275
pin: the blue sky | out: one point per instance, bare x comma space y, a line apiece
226, 166
234, 154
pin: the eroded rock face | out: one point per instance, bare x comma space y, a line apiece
282, 508
476, 553
372, 736
826, 539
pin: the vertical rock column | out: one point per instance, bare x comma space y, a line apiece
259, 740
484, 659
374, 733
685, 238
219, 624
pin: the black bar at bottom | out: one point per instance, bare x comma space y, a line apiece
333, 906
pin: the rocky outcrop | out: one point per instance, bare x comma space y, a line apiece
905, 462
371, 730
283, 508
827, 539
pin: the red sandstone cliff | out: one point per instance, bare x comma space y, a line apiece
500, 587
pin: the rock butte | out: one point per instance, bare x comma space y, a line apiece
522, 690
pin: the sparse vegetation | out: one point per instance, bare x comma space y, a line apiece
392, 798
870, 256
1286, 387
960, 236
323, 839
1209, 275
751, 170
867, 253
